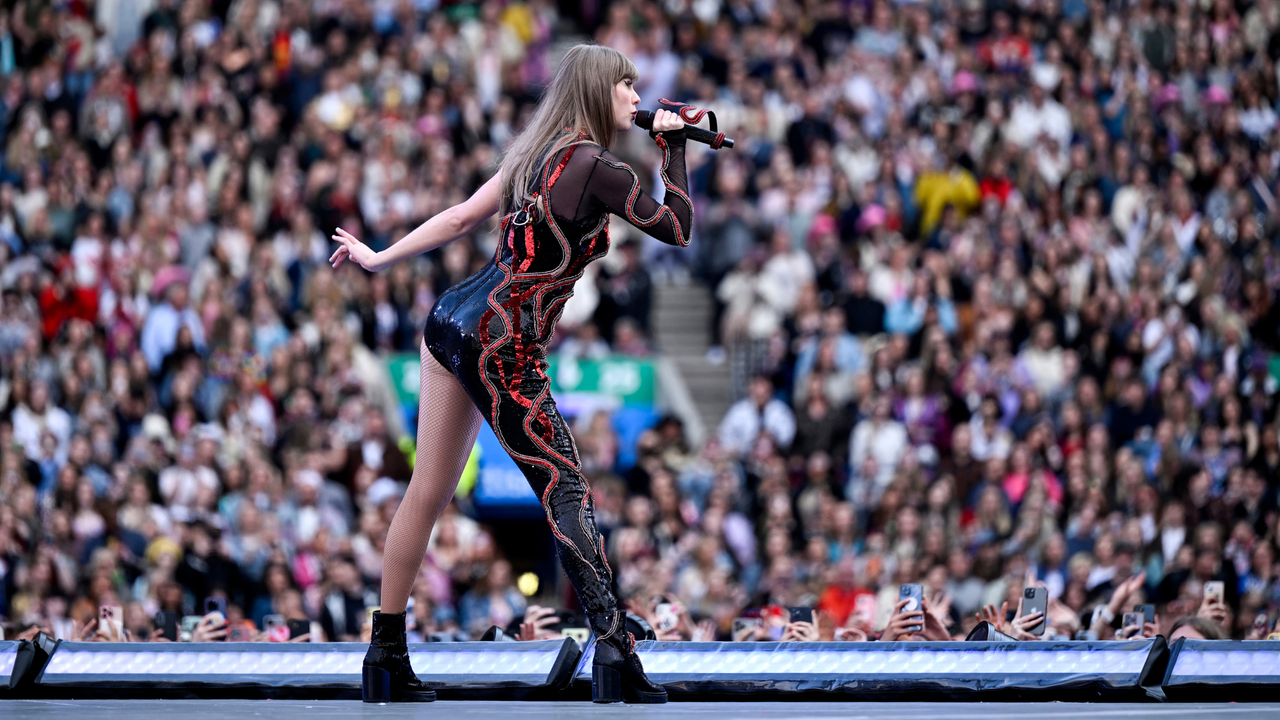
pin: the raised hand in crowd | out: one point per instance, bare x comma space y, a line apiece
704, 631
936, 621
897, 629
1121, 598
801, 631
537, 624
1212, 608
940, 607
990, 614
850, 634
1124, 593
96, 631
1151, 629
1022, 624
751, 633
1063, 617
211, 627
31, 633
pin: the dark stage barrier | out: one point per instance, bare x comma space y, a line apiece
1076, 671
1201, 670
555, 669
299, 670
15, 661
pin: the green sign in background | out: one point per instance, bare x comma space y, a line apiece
631, 380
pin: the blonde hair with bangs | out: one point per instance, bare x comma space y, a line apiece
580, 98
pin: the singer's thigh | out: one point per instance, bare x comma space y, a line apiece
448, 423
447, 426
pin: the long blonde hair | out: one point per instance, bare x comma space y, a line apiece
580, 97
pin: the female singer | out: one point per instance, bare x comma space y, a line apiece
484, 347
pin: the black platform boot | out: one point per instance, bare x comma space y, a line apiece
388, 677
616, 673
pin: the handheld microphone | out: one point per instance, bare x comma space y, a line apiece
644, 119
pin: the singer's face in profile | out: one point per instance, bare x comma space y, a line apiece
625, 102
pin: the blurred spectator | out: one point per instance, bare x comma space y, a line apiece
994, 289
164, 322
342, 610
758, 413
493, 601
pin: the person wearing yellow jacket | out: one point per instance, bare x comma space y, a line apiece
936, 189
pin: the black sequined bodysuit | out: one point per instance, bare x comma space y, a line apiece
492, 329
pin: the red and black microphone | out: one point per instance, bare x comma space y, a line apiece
716, 140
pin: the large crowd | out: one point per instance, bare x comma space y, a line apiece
995, 284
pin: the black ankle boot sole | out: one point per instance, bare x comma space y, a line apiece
607, 686
376, 687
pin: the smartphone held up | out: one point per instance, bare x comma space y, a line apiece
744, 628
1131, 626
1215, 591
167, 623
1035, 600
216, 605
914, 595
666, 617
277, 628
111, 621
802, 614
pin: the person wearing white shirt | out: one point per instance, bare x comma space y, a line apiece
1185, 221
785, 273
1043, 360
989, 438
1041, 116
757, 412
32, 418
1160, 336
891, 283
880, 437
180, 484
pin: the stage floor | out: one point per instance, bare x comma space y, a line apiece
333, 710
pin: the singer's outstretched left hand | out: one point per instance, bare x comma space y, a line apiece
355, 251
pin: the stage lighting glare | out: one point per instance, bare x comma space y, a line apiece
247, 659
923, 660
452, 664
897, 670
8, 657
1205, 661
528, 584
1246, 670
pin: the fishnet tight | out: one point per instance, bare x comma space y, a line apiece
448, 422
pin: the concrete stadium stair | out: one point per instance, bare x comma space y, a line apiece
682, 331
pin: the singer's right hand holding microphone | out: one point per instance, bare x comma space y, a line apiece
665, 121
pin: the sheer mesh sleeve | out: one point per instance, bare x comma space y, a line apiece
616, 186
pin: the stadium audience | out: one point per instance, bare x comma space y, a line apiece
996, 289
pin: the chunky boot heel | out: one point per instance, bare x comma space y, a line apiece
616, 672
375, 686
387, 675
606, 685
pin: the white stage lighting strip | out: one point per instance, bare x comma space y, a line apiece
8, 656
1222, 660
894, 662
919, 660
329, 662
